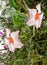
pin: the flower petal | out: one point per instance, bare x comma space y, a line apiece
38, 7
31, 22
3, 63
38, 22
6, 41
40, 19
32, 12
11, 46
8, 33
18, 44
15, 36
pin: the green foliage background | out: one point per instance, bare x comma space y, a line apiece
34, 51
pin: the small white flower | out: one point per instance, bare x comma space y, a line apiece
35, 17
12, 40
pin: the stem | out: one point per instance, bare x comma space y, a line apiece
33, 31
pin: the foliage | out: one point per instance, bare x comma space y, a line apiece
34, 51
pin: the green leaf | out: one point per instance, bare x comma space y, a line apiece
16, 20
13, 4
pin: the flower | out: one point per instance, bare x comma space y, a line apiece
3, 63
12, 40
35, 17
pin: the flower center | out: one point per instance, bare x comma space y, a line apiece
11, 40
37, 16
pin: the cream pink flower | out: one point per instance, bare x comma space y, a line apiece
3, 63
35, 16
12, 40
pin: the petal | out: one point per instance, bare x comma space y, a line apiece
38, 7
30, 22
40, 19
8, 33
3, 63
32, 12
6, 41
10, 45
15, 34
18, 44
38, 22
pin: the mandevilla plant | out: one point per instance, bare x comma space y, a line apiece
23, 32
